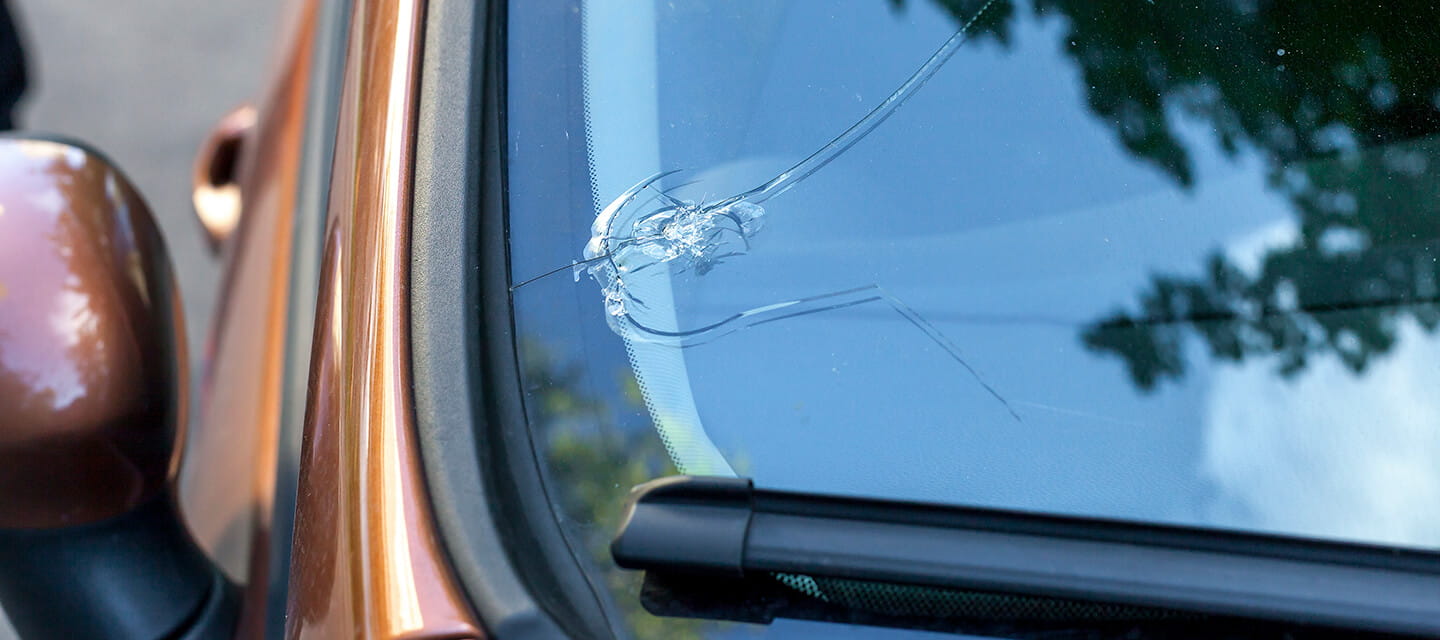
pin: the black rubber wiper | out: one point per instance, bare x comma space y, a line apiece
726, 529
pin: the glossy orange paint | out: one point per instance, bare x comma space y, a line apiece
91, 371
227, 476
366, 560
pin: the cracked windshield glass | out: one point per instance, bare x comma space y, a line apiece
1162, 261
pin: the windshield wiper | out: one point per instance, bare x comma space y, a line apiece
726, 529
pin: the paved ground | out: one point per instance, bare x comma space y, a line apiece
143, 80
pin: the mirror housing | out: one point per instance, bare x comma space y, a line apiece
92, 394
90, 338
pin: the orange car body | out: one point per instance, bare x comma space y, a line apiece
366, 560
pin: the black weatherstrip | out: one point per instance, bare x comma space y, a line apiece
481, 472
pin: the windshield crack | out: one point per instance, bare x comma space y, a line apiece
697, 236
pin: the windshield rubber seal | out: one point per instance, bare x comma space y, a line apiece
480, 467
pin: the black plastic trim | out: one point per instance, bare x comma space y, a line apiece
763, 599
691, 525
218, 616
138, 575
481, 472
726, 527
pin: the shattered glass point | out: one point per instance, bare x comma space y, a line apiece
685, 234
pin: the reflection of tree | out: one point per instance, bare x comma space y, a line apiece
1364, 256
79, 368
1338, 98
26, 396
596, 461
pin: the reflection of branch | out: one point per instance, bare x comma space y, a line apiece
1121, 321
1239, 319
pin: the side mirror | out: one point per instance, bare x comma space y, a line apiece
92, 399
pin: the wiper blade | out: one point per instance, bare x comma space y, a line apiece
726, 528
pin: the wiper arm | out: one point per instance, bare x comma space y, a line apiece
727, 528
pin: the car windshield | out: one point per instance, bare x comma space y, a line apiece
1154, 261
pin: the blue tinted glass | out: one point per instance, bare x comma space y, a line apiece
1152, 261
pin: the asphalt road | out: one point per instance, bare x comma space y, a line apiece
143, 81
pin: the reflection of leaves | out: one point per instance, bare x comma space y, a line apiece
1345, 70
594, 462
25, 396
1339, 99
1366, 253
